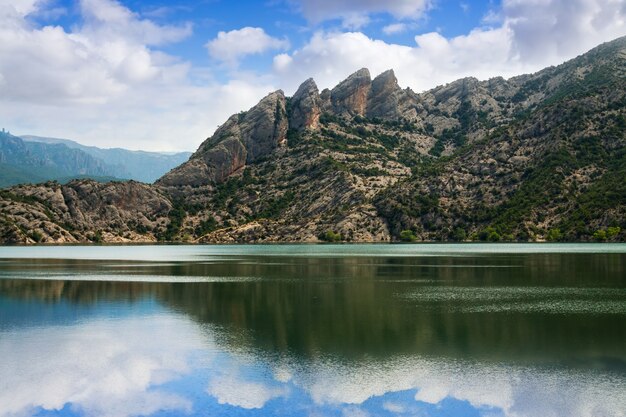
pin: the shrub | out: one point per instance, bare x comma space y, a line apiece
554, 235
600, 235
331, 236
407, 236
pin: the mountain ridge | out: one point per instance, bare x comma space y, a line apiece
534, 157
138, 165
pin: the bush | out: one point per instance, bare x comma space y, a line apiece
600, 235
459, 234
407, 236
554, 235
490, 234
612, 232
331, 236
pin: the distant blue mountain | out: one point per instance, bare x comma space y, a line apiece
32, 162
137, 165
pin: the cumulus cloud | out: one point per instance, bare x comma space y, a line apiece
317, 11
99, 60
527, 36
110, 20
230, 46
551, 29
331, 57
109, 75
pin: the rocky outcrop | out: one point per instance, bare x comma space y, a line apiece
306, 107
82, 211
387, 101
243, 139
264, 127
349, 97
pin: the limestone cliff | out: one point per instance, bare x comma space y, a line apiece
243, 139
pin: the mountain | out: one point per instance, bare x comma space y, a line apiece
535, 157
26, 162
137, 165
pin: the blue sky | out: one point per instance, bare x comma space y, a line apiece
157, 76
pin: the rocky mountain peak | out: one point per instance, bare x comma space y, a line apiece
264, 126
349, 97
386, 99
305, 106
385, 80
243, 139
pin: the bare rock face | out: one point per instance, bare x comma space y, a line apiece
264, 127
387, 100
350, 96
243, 139
305, 107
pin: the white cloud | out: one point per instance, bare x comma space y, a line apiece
108, 19
230, 46
548, 30
395, 28
104, 84
102, 368
18, 7
330, 57
529, 36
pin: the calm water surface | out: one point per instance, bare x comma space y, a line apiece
313, 330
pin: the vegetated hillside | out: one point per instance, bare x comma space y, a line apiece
539, 156
29, 162
136, 165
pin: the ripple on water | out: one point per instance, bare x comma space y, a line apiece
559, 300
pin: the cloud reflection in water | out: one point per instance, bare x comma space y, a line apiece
165, 364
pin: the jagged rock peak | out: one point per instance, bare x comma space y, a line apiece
305, 88
264, 126
243, 139
387, 100
350, 95
305, 106
385, 78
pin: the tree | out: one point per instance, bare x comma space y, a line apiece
407, 236
331, 236
554, 235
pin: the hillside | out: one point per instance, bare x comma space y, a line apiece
535, 157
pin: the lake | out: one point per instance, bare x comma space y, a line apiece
533, 330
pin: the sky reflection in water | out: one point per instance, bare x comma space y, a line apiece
213, 348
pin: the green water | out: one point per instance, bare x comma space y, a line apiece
461, 330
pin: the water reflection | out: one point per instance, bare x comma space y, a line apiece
98, 367
365, 318
506, 335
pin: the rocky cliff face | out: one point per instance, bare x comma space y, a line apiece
349, 97
535, 157
306, 107
245, 138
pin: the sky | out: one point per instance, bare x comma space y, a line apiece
162, 75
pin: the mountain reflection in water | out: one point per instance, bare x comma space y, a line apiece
505, 334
